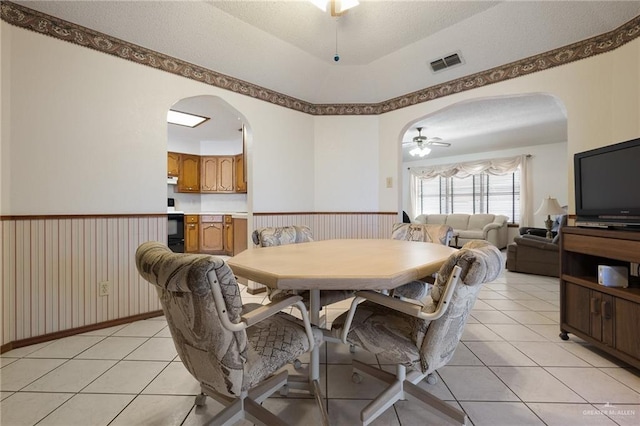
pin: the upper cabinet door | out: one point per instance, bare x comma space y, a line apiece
241, 178
173, 164
189, 178
209, 174
226, 167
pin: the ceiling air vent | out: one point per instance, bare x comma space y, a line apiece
446, 62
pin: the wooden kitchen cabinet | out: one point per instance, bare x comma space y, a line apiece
607, 317
173, 164
226, 178
228, 235
212, 234
239, 235
191, 234
241, 177
189, 177
217, 174
208, 174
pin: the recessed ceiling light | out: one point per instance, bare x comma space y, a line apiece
185, 119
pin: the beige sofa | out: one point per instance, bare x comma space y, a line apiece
489, 227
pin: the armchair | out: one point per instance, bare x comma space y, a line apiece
417, 290
532, 254
419, 338
233, 350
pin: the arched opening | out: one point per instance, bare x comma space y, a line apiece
207, 173
495, 127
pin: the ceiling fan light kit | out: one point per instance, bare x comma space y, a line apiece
338, 7
421, 150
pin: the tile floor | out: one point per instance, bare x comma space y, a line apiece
510, 369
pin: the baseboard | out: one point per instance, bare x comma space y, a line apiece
78, 330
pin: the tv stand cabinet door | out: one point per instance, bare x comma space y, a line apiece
627, 317
578, 307
602, 324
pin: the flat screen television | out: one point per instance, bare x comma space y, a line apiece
607, 185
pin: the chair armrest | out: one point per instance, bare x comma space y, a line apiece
536, 242
258, 314
265, 311
403, 306
394, 303
493, 225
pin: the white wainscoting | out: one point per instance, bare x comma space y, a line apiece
51, 268
327, 226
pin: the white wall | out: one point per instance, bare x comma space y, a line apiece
88, 134
346, 164
548, 168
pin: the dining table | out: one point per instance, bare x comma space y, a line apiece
338, 264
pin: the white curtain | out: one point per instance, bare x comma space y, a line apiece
496, 166
413, 196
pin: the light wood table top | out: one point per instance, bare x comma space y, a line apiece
349, 264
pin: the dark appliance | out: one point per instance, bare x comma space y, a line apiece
175, 232
605, 185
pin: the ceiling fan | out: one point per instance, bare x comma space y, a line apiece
423, 143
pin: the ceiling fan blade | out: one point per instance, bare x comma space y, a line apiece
436, 143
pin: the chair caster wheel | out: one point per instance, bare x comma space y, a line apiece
297, 364
201, 400
432, 379
356, 378
564, 335
352, 349
284, 390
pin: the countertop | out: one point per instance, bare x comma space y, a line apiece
234, 215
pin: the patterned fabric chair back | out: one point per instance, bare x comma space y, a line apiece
481, 262
211, 353
279, 236
422, 232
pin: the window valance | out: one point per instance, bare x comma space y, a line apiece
496, 166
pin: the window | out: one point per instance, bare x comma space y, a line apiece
481, 193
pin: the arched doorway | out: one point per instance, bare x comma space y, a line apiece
212, 173
495, 127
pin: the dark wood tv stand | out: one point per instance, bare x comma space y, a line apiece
607, 317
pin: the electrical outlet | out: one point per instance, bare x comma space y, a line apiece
634, 269
104, 288
389, 182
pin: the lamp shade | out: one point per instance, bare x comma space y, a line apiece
550, 207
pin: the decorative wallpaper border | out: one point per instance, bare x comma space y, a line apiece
30, 19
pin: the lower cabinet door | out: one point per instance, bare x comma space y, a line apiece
211, 237
191, 237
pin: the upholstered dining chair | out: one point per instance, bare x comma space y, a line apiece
418, 339
428, 233
233, 350
294, 234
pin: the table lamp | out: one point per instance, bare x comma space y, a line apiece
549, 207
